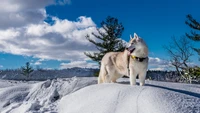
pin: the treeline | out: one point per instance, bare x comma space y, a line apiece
44, 74
169, 76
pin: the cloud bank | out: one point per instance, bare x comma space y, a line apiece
158, 64
82, 64
23, 31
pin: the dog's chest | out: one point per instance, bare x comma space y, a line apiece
136, 65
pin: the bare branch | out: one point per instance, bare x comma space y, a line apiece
180, 52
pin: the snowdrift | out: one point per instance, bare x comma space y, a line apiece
23, 97
83, 95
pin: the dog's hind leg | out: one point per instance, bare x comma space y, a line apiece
100, 80
102, 75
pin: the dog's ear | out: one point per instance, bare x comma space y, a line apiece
136, 37
131, 37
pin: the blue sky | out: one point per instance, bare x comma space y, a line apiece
27, 32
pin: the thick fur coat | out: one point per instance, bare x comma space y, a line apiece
114, 64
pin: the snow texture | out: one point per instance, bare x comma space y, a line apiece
83, 95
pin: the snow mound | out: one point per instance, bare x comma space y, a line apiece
118, 98
39, 96
83, 95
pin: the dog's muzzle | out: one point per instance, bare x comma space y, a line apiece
130, 50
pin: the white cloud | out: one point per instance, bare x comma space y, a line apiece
158, 64
64, 40
1, 66
158, 69
157, 61
82, 64
163, 65
23, 31
48, 68
17, 13
37, 63
63, 2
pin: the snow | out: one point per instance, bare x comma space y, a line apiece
83, 95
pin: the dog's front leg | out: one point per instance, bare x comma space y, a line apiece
142, 77
132, 77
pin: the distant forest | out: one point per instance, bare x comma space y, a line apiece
44, 74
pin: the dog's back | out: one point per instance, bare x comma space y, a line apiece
112, 67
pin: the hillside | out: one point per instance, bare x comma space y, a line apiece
83, 95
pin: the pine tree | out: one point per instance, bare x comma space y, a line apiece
191, 22
27, 70
109, 39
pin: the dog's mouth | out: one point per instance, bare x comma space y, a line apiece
130, 50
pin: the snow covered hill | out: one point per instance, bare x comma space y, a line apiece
83, 95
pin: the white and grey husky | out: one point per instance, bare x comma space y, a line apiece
132, 62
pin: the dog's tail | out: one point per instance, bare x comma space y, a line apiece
102, 74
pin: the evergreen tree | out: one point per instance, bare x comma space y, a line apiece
191, 22
109, 39
27, 70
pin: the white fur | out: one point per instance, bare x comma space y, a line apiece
114, 64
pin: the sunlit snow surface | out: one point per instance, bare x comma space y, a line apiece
83, 95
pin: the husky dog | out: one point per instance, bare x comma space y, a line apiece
132, 62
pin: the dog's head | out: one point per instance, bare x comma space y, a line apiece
135, 43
